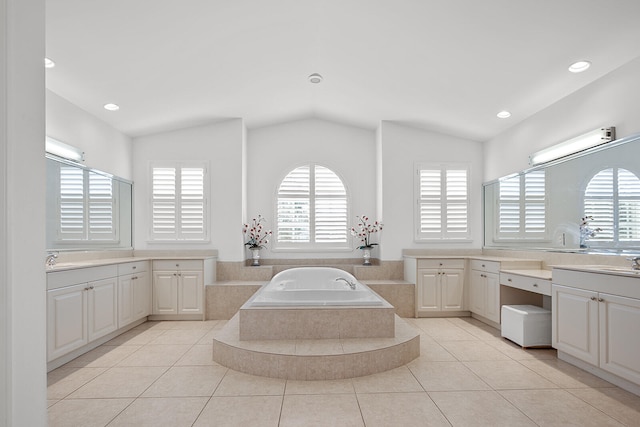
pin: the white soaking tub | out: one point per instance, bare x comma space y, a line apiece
315, 286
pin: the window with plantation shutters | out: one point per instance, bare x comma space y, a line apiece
522, 207
442, 196
179, 202
311, 209
612, 198
86, 206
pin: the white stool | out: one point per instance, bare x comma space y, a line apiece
526, 325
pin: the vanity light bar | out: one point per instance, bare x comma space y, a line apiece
66, 151
574, 145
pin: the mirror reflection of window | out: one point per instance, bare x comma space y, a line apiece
612, 199
522, 207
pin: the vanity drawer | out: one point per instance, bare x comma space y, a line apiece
527, 283
60, 279
441, 263
132, 267
177, 264
486, 266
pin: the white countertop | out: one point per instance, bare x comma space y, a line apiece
72, 265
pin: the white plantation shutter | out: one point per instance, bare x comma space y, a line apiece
294, 206
628, 206
612, 198
312, 208
164, 203
192, 203
443, 202
522, 207
72, 225
179, 202
101, 208
87, 206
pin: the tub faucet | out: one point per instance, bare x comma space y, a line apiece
635, 262
50, 261
352, 285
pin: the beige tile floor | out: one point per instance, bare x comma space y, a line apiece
161, 374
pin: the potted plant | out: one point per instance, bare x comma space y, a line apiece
363, 231
256, 238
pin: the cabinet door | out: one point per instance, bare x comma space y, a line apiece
429, 290
619, 337
452, 285
66, 320
477, 293
125, 300
141, 296
165, 292
103, 311
575, 322
190, 292
492, 294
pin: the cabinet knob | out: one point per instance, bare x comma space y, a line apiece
134, 277
134, 267
177, 265
593, 298
440, 264
600, 299
482, 265
509, 280
535, 285
175, 274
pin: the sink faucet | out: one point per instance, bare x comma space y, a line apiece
352, 285
51, 259
635, 262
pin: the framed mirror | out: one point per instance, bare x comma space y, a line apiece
86, 209
586, 202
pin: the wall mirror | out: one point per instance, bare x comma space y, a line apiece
586, 202
86, 209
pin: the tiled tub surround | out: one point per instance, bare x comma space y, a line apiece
317, 359
338, 341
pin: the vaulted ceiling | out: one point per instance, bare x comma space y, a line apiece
443, 65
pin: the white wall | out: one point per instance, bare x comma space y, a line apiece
105, 148
273, 151
220, 144
22, 197
401, 148
613, 100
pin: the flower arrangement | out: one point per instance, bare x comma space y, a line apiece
257, 238
586, 232
363, 231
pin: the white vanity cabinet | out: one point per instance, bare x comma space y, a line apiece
484, 289
134, 292
440, 286
81, 307
178, 288
596, 318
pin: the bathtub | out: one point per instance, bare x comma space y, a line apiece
315, 286
309, 303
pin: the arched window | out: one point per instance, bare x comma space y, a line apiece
312, 209
612, 198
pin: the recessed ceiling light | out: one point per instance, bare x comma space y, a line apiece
580, 66
111, 107
315, 78
48, 63
503, 114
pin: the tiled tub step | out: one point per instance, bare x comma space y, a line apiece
320, 359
